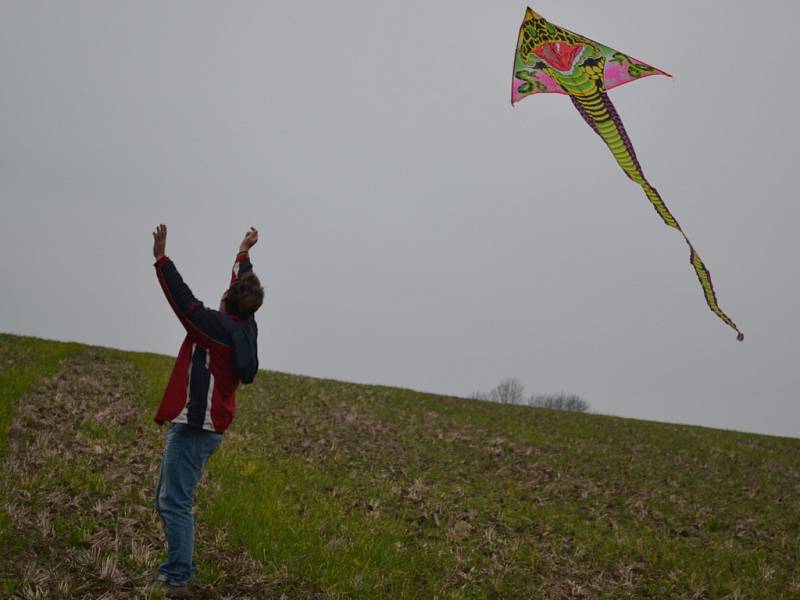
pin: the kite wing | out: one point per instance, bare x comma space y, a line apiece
530, 67
551, 59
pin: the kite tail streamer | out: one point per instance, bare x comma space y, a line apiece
598, 111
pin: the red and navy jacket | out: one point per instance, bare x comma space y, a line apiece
201, 389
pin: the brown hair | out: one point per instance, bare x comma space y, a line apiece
245, 296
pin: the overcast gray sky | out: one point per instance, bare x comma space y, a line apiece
416, 230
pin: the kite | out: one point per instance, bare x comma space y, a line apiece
551, 59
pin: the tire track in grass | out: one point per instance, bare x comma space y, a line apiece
79, 477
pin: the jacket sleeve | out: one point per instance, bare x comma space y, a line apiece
241, 266
195, 317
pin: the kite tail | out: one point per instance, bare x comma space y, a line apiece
700, 269
599, 112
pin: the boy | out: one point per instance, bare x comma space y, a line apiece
218, 352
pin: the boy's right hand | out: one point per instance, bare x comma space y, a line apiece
160, 241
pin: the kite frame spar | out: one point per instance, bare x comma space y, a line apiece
551, 59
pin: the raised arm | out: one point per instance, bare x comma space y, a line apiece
177, 292
242, 264
199, 322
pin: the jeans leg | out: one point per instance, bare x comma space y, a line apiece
186, 452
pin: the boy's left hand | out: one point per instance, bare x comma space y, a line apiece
250, 239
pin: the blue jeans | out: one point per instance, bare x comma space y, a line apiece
185, 455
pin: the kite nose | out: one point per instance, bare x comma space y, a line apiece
559, 55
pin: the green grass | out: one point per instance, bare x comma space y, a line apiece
287, 516
369, 492
421, 494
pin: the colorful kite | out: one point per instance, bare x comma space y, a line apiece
553, 59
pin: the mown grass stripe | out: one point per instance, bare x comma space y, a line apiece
23, 362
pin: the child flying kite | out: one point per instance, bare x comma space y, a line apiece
218, 352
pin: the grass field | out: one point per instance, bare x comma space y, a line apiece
325, 489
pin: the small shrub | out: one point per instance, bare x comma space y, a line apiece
562, 401
511, 391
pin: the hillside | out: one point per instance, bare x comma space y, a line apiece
325, 489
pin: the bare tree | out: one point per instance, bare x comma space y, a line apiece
508, 391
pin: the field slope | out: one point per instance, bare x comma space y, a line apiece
325, 489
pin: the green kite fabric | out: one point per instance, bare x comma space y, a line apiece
551, 59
